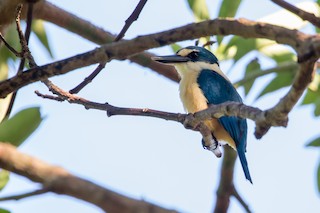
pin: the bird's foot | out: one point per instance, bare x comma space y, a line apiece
213, 147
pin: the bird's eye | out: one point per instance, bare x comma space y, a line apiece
193, 55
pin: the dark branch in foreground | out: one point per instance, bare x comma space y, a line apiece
59, 181
189, 120
124, 49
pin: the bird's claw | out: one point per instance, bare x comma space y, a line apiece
214, 147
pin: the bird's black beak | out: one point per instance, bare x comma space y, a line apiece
171, 59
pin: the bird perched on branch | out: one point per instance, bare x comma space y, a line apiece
202, 84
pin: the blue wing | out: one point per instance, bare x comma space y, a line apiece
218, 90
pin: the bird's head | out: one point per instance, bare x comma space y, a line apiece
191, 60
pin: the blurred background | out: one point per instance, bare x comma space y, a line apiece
152, 159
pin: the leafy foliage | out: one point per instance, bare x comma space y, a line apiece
313, 95
200, 12
228, 8
39, 30
252, 68
316, 143
199, 9
4, 210
282, 79
4, 178
18, 128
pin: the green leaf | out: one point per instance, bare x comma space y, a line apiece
314, 143
4, 210
229, 8
313, 95
18, 128
4, 102
310, 97
252, 68
4, 105
279, 53
12, 38
241, 46
283, 79
199, 9
4, 178
175, 47
317, 108
39, 30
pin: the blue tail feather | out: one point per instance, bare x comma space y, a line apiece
244, 165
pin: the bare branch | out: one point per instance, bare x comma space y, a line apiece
60, 181
16, 53
133, 17
279, 113
88, 79
241, 201
27, 36
301, 13
190, 121
226, 180
124, 49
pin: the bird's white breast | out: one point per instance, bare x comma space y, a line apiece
191, 95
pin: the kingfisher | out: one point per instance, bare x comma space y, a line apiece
203, 84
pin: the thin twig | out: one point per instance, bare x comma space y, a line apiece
16, 53
88, 79
241, 201
51, 97
301, 13
283, 67
23, 59
25, 195
133, 17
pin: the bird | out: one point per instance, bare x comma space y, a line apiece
203, 84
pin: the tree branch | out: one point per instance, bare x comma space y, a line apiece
59, 181
133, 17
301, 13
241, 201
124, 49
23, 59
226, 180
190, 121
